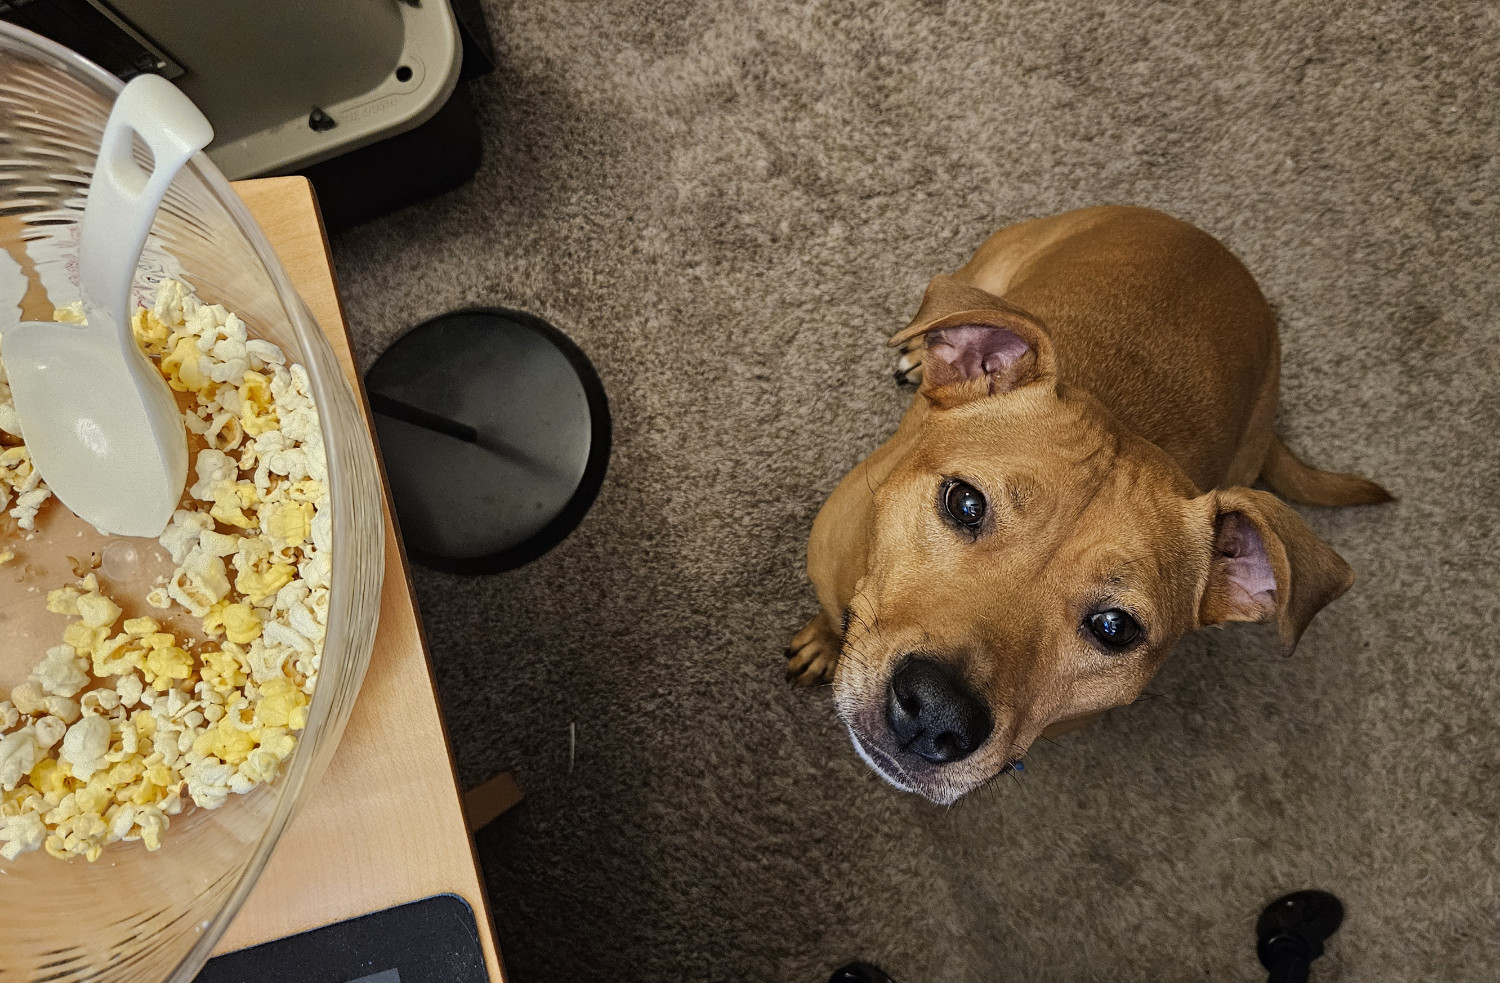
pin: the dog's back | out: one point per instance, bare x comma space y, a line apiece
1157, 320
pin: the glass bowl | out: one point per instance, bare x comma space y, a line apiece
134, 915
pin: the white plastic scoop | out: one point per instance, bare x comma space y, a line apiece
99, 420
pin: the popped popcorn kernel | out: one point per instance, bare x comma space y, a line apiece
124, 725
282, 704
258, 585
256, 413
150, 333
184, 367
237, 622
166, 665
49, 778
230, 500
288, 522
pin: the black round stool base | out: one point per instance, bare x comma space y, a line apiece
859, 973
495, 433
1291, 931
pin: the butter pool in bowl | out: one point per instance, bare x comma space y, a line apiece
164, 703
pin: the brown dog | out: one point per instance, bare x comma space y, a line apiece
1028, 547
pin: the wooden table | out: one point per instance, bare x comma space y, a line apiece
386, 825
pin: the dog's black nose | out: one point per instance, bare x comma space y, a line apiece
934, 714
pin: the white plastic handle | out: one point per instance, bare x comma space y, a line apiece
123, 197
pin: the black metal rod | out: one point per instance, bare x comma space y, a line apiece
1290, 968
405, 412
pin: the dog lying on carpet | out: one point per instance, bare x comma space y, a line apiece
1066, 497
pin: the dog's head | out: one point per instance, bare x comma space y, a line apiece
1030, 562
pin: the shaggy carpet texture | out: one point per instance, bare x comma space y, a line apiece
730, 206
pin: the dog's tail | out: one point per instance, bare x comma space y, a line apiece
1291, 478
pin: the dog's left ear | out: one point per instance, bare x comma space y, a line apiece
976, 344
1266, 563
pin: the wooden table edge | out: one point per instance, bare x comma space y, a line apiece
256, 194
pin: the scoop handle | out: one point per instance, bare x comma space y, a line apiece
123, 196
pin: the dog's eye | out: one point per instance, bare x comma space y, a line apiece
964, 505
1114, 627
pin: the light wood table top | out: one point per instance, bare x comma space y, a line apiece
386, 824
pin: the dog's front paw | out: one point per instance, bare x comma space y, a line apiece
813, 654
909, 369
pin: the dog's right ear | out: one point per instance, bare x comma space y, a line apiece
977, 344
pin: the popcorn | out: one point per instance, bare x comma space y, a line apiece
287, 523
183, 532
22, 833
208, 782
61, 673
238, 622
84, 745
212, 467
150, 333
97, 611
50, 730
17, 756
124, 725
61, 708
129, 688
199, 583
28, 698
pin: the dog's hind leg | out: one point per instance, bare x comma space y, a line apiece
814, 653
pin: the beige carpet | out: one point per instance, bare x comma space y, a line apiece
730, 205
